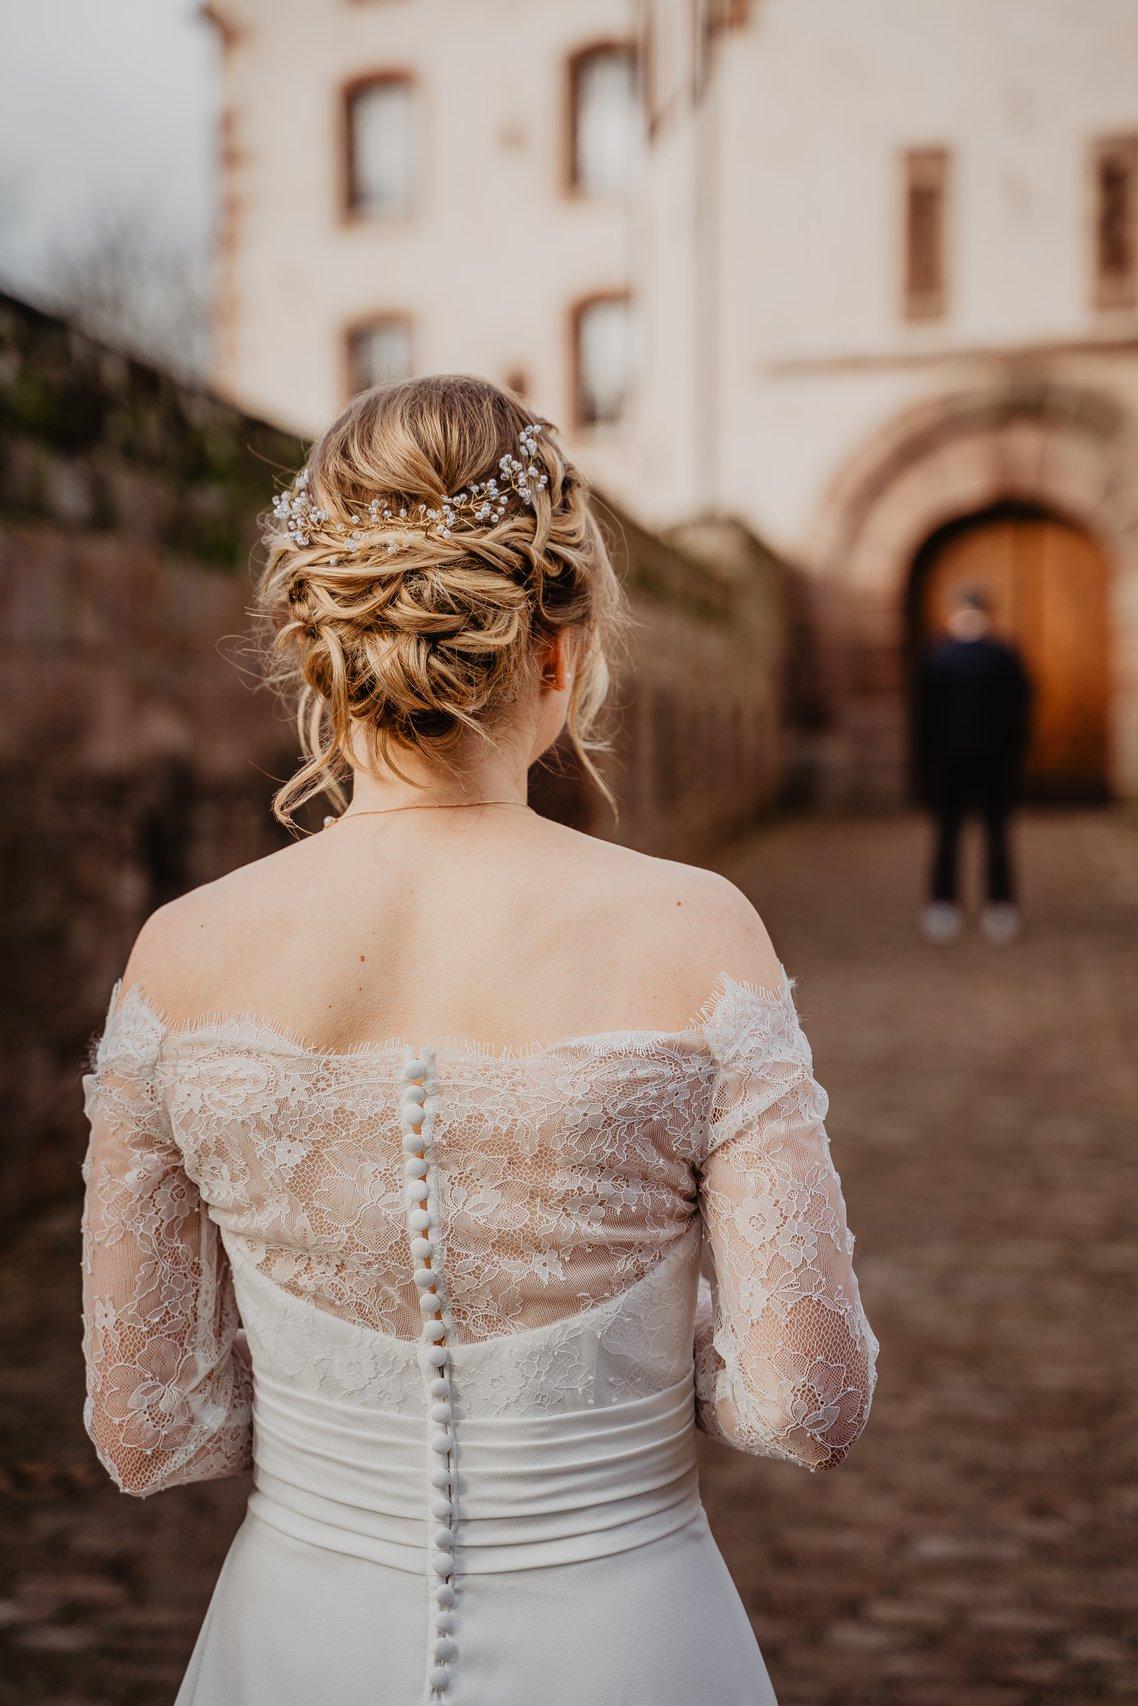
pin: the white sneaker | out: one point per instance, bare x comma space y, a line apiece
1000, 923
941, 921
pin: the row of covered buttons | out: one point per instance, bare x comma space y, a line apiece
416, 1111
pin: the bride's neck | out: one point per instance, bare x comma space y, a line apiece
475, 771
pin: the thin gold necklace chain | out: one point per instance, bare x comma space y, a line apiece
426, 806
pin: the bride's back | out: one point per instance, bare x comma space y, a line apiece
490, 924
547, 989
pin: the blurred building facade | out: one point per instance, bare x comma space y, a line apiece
424, 186
864, 278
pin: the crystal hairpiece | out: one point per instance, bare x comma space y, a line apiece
482, 503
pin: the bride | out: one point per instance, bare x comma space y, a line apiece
409, 1142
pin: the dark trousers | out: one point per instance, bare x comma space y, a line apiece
962, 788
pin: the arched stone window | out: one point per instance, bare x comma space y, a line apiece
602, 336
378, 352
606, 118
379, 146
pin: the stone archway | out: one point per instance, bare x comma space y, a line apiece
1064, 449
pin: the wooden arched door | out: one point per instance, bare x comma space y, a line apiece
1047, 581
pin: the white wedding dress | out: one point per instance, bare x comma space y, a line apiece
479, 1342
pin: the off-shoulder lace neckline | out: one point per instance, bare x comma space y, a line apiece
238, 1027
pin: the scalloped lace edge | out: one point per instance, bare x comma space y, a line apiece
215, 1024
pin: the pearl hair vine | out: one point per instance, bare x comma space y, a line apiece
481, 503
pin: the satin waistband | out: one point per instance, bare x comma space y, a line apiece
530, 1491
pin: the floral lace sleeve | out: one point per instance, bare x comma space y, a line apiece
785, 1358
167, 1390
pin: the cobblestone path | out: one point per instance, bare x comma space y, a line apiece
978, 1549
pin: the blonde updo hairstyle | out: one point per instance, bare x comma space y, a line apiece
397, 640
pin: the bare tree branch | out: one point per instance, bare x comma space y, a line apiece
128, 284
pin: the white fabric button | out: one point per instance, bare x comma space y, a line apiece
443, 1563
418, 1220
412, 1143
425, 1277
445, 1649
440, 1442
440, 1509
437, 1355
414, 1068
444, 1538
444, 1594
417, 1192
440, 1477
440, 1678
421, 1248
440, 1388
415, 1168
430, 1303
414, 1095
440, 1410
444, 1622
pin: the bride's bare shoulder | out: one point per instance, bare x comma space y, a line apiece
687, 924
186, 946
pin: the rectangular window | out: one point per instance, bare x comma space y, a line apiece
1115, 233
379, 353
602, 337
606, 118
379, 117
925, 189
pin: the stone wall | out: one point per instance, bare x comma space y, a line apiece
136, 753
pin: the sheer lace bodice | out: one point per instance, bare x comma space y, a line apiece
575, 1185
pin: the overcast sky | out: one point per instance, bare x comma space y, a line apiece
104, 104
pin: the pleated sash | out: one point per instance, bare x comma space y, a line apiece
531, 1491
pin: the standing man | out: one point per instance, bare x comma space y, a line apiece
973, 702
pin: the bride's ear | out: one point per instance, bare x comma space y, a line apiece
555, 656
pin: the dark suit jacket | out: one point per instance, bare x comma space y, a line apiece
973, 705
